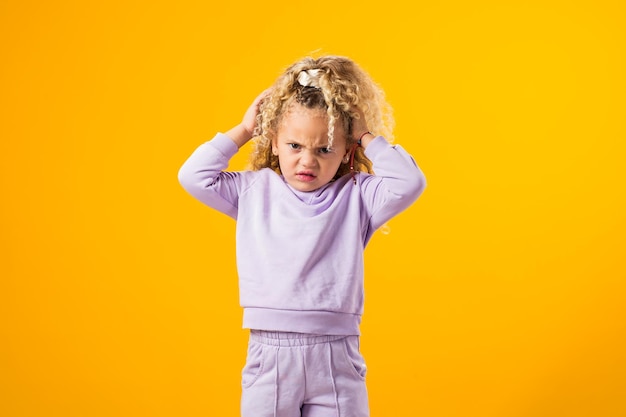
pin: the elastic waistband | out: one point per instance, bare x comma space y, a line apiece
289, 339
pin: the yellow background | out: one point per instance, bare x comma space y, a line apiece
500, 293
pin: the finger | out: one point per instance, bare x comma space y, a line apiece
264, 94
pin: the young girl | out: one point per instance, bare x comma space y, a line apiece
323, 179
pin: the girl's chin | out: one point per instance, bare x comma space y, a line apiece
304, 185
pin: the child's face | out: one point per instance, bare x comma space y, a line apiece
301, 144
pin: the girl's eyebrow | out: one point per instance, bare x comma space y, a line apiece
295, 142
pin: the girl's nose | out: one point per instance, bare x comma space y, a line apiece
308, 159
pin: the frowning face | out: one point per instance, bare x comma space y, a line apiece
301, 144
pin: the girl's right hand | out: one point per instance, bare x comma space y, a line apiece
249, 119
244, 131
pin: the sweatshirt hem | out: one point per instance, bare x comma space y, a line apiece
311, 322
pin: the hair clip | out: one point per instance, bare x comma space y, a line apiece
309, 78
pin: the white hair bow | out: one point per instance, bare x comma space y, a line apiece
309, 78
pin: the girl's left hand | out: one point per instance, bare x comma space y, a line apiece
360, 129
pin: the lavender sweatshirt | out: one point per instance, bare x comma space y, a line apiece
300, 254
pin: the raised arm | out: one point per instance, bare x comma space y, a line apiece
203, 175
397, 182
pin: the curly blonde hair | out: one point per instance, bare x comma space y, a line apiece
340, 86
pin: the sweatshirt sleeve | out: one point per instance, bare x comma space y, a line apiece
397, 182
203, 175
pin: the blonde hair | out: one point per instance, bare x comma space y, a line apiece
340, 86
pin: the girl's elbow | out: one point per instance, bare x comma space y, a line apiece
421, 184
187, 179
417, 186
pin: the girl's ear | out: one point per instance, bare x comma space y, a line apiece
349, 157
274, 147
346, 157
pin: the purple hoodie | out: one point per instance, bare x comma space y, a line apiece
300, 254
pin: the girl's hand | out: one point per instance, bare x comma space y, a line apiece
360, 129
249, 119
244, 131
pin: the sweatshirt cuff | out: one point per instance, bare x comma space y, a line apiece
377, 145
224, 145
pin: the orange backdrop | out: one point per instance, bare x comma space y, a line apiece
501, 293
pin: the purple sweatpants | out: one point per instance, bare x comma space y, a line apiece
293, 375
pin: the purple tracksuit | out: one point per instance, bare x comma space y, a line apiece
300, 267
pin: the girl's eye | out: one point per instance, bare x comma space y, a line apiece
293, 145
326, 150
